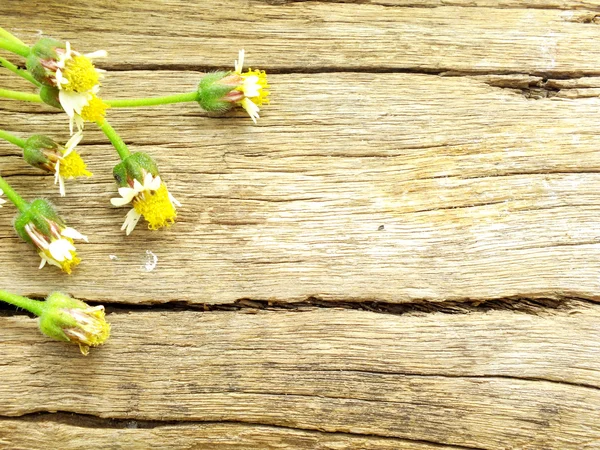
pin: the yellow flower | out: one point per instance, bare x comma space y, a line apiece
67, 319
78, 81
42, 152
150, 199
251, 91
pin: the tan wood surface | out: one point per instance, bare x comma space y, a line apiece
434, 161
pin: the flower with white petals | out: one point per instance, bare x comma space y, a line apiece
78, 83
1, 199
220, 91
150, 199
251, 92
64, 162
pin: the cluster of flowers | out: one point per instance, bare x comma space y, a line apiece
69, 80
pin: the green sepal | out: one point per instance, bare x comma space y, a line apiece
135, 166
49, 96
211, 92
33, 152
38, 212
43, 50
54, 318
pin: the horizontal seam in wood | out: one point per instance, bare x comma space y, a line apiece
123, 422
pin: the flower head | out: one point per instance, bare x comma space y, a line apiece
44, 153
1, 199
42, 227
73, 76
220, 91
67, 319
141, 185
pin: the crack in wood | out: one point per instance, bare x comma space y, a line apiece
89, 421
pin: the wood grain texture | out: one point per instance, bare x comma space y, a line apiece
416, 151
457, 189
25, 435
316, 35
497, 380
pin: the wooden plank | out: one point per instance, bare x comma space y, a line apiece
493, 380
25, 435
324, 35
455, 190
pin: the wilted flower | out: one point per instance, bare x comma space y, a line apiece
42, 227
44, 153
219, 91
67, 319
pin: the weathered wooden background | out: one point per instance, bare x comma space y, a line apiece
403, 254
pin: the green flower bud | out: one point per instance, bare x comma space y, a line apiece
40, 214
213, 88
134, 167
42, 152
67, 319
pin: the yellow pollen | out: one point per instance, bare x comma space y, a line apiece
81, 74
67, 266
263, 95
73, 166
95, 110
156, 207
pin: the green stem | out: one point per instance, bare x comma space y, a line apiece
12, 138
34, 306
15, 47
9, 36
152, 101
22, 73
11, 194
116, 140
18, 95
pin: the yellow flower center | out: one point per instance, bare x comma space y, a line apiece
156, 207
90, 330
95, 110
81, 74
263, 94
73, 166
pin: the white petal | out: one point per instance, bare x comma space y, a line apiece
131, 220
239, 63
96, 54
78, 121
60, 80
119, 201
251, 109
73, 102
126, 194
174, 200
154, 185
73, 142
43, 261
73, 234
137, 186
61, 249
251, 87
61, 186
